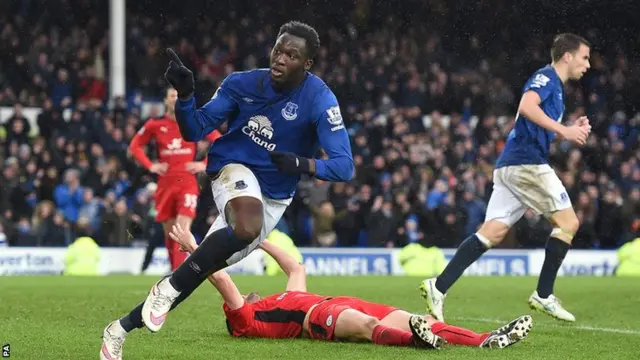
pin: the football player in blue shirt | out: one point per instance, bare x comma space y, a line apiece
277, 119
523, 179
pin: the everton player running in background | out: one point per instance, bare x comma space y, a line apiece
523, 178
177, 194
299, 313
277, 119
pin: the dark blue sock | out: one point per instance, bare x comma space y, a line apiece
133, 320
555, 252
208, 258
469, 251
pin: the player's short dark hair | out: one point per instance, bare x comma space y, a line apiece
305, 31
566, 43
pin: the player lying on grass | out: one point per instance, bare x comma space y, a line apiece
298, 313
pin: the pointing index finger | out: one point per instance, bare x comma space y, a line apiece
172, 54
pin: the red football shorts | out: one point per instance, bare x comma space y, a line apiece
322, 319
175, 200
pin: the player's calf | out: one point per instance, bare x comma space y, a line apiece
565, 224
468, 252
244, 214
209, 257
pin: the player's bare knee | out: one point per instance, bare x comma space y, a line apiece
492, 233
565, 230
572, 225
248, 225
368, 325
248, 229
245, 216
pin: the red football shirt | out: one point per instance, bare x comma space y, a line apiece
172, 148
276, 316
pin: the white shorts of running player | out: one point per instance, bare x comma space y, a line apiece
237, 180
518, 187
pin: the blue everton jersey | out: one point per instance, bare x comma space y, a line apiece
262, 119
529, 143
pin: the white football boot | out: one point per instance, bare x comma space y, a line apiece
158, 304
423, 337
550, 306
113, 338
509, 334
434, 298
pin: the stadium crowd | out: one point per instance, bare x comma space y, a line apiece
428, 105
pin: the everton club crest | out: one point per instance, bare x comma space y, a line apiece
290, 111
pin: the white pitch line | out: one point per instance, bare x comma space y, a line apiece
568, 327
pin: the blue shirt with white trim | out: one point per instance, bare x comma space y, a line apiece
529, 143
262, 119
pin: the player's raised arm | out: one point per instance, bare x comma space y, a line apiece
194, 123
294, 270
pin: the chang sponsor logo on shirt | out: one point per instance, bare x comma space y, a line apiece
175, 148
259, 129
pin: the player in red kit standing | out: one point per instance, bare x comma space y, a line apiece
177, 194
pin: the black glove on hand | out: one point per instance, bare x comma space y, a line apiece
179, 76
290, 163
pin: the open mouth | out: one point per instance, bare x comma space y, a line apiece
277, 73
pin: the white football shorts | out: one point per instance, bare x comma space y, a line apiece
518, 187
235, 180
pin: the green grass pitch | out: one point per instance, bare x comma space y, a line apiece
63, 318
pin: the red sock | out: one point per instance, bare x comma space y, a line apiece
176, 257
458, 336
384, 335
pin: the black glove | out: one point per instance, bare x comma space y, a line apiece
290, 163
179, 76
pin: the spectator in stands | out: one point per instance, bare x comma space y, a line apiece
117, 222
69, 196
427, 111
17, 127
48, 226
381, 224
475, 209
91, 210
